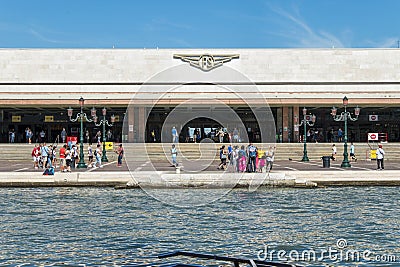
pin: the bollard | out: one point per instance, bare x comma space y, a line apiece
177, 170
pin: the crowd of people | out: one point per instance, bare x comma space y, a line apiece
243, 159
195, 135
49, 157
246, 159
41, 136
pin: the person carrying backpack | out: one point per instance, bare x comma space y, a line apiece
252, 153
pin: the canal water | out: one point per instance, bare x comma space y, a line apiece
107, 227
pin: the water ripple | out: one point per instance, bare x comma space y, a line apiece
104, 227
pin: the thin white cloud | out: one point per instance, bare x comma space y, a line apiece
391, 42
301, 32
43, 38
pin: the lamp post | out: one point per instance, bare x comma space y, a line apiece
306, 122
80, 116
103, 122
344, 116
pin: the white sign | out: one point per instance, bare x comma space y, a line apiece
373, 117
373, 137
131, 127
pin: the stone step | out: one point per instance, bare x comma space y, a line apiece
161, 151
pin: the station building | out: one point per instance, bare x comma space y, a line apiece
37, 86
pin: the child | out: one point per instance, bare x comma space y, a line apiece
262, 162
242, 159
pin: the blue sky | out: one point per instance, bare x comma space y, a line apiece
199, 24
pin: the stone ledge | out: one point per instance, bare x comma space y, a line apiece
144, 179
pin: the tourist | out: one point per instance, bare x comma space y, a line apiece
235, 135
62, 158
44, 152
231, 157
221, 135
222, 157
316, 136
29, 135
35, 156
212, 134
252, 155
52, 156
98, 153
174, 154
174, 133
42, 135
187, 138
90, 156
235, 158
230, 149
74, 156
334, 151
63, 135
262, 161
120, 152
198, 136
270, 157
380, 155
109, 135
87, 136
352, 152
242, 159
68, 159
194, 135
98, 137
11, 136
340, 135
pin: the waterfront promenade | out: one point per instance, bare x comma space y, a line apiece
290, 172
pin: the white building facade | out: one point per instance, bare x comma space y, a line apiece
38, 85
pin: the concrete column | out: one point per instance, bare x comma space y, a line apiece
142, 124
296, 121
130, 124
285, 123
279, 123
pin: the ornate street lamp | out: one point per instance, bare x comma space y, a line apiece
343, 117
103, 122
306, 122
80, 116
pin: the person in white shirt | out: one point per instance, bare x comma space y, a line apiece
380, 155
352, 152
97, 154
334, 151
174, 154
